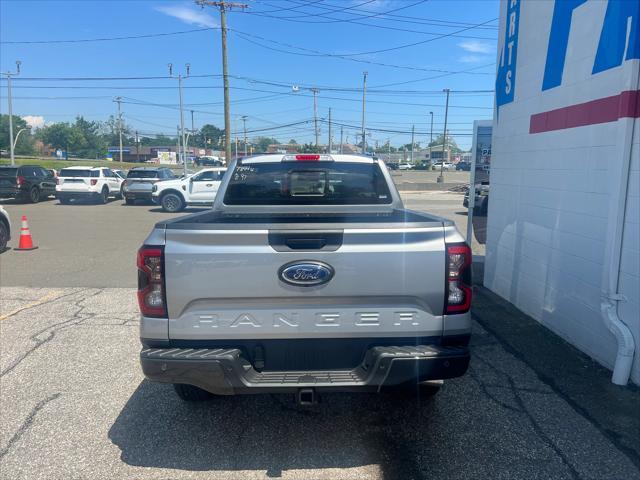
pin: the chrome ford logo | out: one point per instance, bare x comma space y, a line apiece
306, 273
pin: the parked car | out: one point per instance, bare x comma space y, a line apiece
308, 274
481, 204
139, 181
208, 161
405, 166
442, 165
197, 189
5, 229
392, 166
88, 183
463, 166
29, 183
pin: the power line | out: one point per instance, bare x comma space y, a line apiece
106, 39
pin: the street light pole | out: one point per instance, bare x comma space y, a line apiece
341, 136
118, 100
431, 136
413, 131
10, 107
315, 113
15, 140
244, 126
364, 98
330, 142
444, 137
182, 136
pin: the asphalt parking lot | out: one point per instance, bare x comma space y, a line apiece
74, 404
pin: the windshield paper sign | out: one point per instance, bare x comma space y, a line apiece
506, 76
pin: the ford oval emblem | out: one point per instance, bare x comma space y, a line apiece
306, 273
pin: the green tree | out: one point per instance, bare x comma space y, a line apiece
293, 142
451, 143
64, 136
159, 140
262, 143
111, 135
94, 144
310, 148
209, 136
24, 146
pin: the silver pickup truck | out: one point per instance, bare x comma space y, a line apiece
307, 275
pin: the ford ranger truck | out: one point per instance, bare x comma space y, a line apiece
307, 275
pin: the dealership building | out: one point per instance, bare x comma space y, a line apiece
563, 226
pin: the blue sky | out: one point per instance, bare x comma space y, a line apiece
286, 43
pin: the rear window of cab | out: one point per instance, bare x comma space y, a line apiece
307, 183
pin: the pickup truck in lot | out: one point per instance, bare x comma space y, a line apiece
197, 189
308, 275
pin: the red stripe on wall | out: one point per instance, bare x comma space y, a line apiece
602, 110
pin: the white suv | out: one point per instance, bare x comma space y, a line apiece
197, 189
94, 183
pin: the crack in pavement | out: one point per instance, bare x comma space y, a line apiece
45, 300
54, 328
27, 423
534, 424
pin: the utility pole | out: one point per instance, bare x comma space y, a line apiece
193, 130
184, 143
137, 148
413, 132
315, 113
244, 126
119, 101
341, 133
223, 6
431, 136
364, 98
444, 137
10, 107
330, 142
178, 142
388, 149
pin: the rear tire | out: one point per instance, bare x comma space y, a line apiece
4, 236
34, 195
104, 195
189, 393
172, 202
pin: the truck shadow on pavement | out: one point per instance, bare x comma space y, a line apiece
269, 432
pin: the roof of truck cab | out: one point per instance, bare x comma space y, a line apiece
278, 157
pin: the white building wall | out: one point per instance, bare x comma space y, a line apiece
550, 191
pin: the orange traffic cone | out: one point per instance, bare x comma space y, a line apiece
26, 243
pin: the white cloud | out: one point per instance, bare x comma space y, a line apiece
475, 46
192, 16
34, 121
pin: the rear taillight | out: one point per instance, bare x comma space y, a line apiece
20, 180
94, 181
307, 158
458, 281
151, 292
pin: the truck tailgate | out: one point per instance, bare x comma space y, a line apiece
387, 282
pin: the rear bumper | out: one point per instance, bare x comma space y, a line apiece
72, 195
227, 372
129, 195
12, 192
